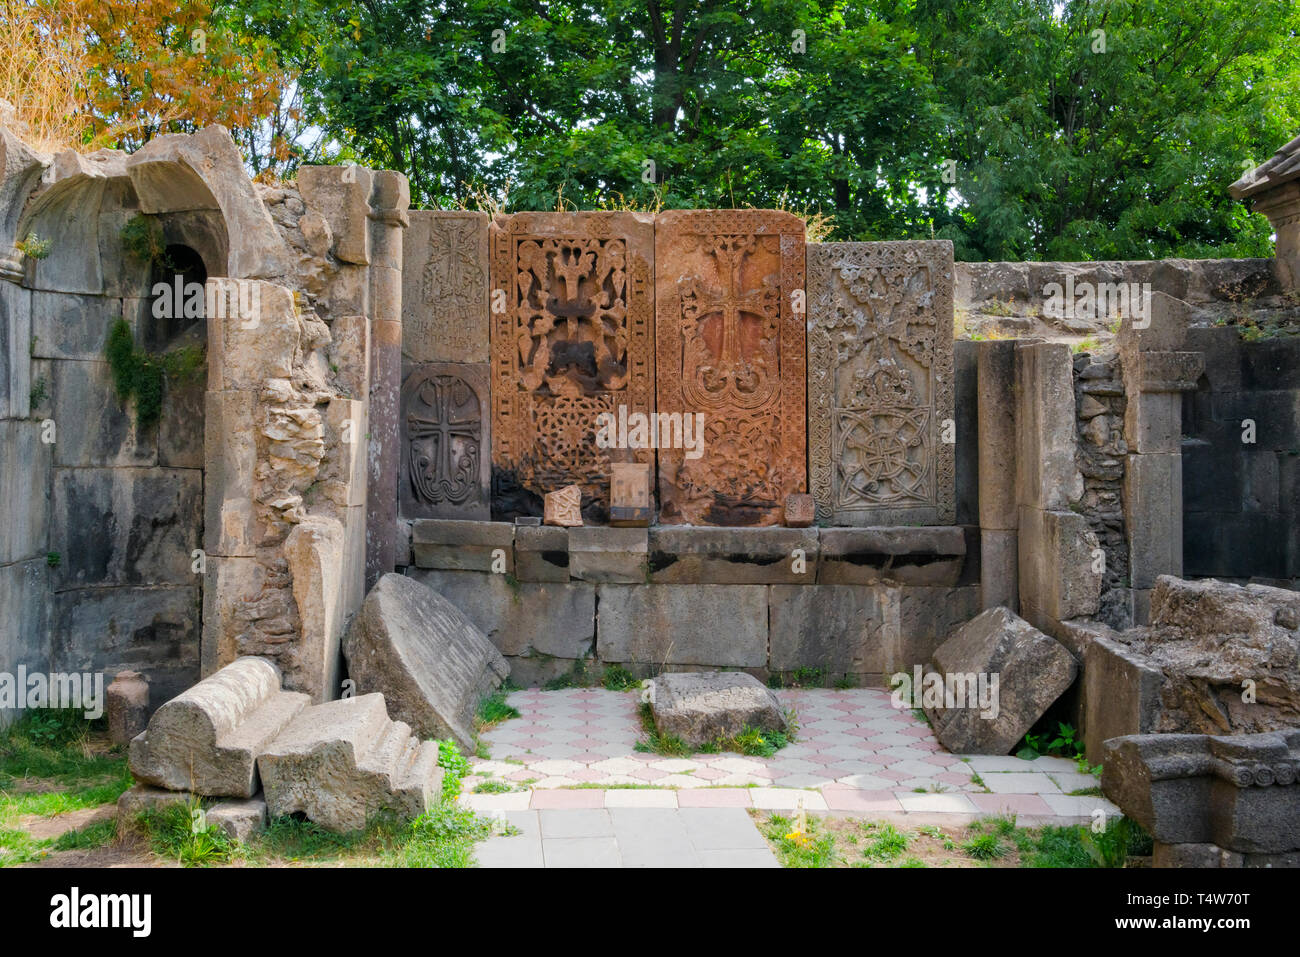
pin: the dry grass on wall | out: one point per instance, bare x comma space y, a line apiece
42, 60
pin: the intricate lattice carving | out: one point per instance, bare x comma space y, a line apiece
730, 345
880, 382
571, 338
444, 472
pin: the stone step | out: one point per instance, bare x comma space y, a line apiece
341, 762
207, 739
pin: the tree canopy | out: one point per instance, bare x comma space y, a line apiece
1020, 129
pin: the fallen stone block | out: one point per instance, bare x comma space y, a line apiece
430, 662
1020, 669
342, 762
139, 798
207, 739
240, 820
1238, 792
700, 707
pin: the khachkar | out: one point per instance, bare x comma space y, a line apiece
444, 425
572, 337
445, 287
880, 382
729, 331
445, 441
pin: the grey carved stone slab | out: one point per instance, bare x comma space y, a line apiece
444, 286
445, 441
880, 382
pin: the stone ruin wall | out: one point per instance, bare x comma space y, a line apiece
107, 559
296, 517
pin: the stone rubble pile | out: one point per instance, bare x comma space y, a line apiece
237, 735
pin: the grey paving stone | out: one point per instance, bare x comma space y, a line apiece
581, 851
721, 828
653, 837
576, 823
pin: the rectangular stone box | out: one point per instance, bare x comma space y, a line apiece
445, 286
730, 341
464, 545
679, 625
599, 554
541, 553
881, 427
692, 555
931, 555
528, 619
574, 341
444, 427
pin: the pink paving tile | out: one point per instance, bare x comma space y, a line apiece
943, 760
587, 774
648, 774
713, 797
892, 775
521, 775
560, 798
851, 799
1010, 803
710, 774
953, 777
529, 744
585, 743
920, 731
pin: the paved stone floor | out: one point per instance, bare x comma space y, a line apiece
628, 837
853, 753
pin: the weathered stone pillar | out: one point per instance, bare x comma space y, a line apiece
1155, 372
995, 387
389, 200
1274, 190
1057, 551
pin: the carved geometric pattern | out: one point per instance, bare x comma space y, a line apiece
730, 345
572, 337
880, 382
444, 469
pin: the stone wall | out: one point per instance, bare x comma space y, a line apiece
1099, 401
851, 604
1241, 498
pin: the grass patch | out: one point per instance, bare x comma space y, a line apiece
492, 710
813, 847
182, 833
887, 843
618, 678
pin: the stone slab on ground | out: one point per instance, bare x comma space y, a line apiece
427, 658
140, 798
1032, 671
207, 739
341, 762
239, 819
700, 707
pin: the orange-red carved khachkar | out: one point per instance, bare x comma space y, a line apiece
572, 337
729, 330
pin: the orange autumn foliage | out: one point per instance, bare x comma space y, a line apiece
142, 68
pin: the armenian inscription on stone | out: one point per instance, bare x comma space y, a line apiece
444, 431
729, 332
445, 286
880, 382
572, 338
